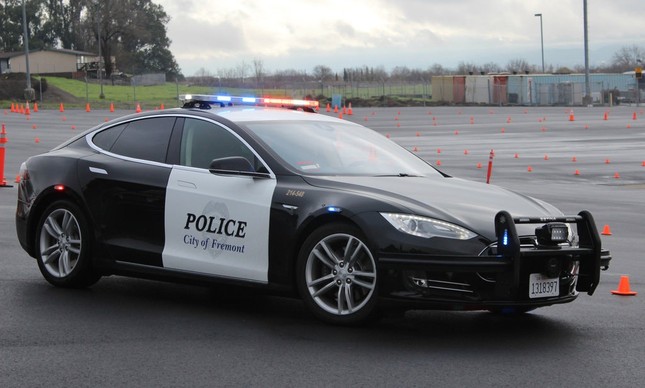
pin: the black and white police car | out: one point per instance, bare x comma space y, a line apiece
296, 202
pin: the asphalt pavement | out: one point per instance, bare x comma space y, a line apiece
131, 332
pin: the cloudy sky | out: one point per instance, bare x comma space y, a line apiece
300, 34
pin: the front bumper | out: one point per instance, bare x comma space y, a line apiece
502, 276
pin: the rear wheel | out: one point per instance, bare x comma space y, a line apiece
337, 275
63, 247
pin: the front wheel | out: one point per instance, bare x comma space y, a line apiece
337, 275
64, 247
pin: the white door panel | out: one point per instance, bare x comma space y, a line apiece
216, 224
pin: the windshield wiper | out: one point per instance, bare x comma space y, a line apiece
401, 175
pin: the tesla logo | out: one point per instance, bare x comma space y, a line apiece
216, 225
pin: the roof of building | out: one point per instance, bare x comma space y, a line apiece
5, 55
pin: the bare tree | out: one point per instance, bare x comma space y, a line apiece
322, 73
242, 70
518, 65
466, 68
627, 58
491, 67
258, 71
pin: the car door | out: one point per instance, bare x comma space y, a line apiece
217, 224
124, 186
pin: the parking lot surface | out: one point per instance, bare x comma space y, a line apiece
144, 333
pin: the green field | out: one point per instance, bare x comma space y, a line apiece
77, 93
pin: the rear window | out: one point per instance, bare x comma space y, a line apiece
145, 139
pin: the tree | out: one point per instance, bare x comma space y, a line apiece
466, 68
518, 65
258, 70
65, 22
322, 73
242, 70
627, 58
11, 31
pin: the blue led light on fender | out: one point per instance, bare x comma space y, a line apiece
333, 209
505, 238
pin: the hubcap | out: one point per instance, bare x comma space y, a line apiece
60, 243
341, 274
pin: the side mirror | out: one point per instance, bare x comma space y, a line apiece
232, 163
235, 165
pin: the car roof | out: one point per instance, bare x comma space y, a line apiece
254, 114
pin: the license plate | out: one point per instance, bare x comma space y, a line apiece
541, 286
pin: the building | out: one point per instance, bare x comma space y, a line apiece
46, 61
533, 89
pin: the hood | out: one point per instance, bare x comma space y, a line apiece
472, 205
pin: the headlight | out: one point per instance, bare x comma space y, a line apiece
427, 227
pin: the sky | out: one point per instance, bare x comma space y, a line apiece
300, 34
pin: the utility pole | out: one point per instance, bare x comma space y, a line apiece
30, 93
587, 98
541, 39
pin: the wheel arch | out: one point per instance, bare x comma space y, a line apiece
46, 198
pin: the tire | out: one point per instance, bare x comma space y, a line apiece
337, 275
63, 247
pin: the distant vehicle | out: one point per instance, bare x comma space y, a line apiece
295, 202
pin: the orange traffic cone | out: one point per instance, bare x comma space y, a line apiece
138, 110
349, 110
634, 116
36, 107
606, 116
577, 172
479, 165
111, 107
27, 112
162, 107
335, 108
3, 140
61, 108
344, 110
13, 108
623, 287
87, 107
328, 109
529, 169
571, 116
606, 231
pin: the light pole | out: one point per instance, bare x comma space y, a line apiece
30, 93
98, 38
587, 98
541, 39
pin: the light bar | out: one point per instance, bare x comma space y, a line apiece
238, 100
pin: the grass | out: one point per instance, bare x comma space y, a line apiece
127, 97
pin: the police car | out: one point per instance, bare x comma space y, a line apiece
268, 193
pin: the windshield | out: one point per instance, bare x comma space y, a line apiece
328, 148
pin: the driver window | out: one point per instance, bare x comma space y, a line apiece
203, 141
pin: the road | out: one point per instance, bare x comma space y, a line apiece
130, 332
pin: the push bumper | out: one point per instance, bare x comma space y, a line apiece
502, 278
